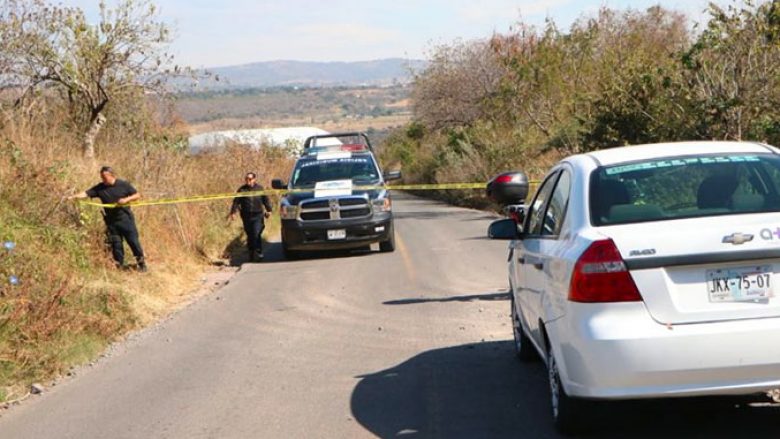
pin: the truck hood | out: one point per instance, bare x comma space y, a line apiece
294, 198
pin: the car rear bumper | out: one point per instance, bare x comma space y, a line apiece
623, 354
299, 235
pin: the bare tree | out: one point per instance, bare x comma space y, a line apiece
455, 87
92, 64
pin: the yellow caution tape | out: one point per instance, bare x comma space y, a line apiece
226, 196
439, 186
192, 199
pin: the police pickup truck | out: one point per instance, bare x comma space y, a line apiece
337, 197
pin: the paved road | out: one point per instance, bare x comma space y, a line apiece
409, 344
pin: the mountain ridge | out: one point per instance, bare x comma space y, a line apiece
379, 72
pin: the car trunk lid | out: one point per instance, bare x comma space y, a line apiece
733, 274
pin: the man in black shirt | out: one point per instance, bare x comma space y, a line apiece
119, 220
253, 211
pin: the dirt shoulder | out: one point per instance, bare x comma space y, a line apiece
210, 281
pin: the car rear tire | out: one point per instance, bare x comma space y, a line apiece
389, 245
570, 415
524, 350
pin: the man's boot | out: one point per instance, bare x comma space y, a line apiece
142, 265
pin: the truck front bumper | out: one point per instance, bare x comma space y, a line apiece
313, 235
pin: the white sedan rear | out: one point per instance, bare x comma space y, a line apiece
651, 271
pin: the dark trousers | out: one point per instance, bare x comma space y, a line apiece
124, 228
253, 226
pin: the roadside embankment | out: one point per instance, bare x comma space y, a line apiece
61, 298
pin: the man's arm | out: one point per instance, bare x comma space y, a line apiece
129, 198
233, 208
78, 196
89, 193
131, 194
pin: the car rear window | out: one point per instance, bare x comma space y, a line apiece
685, 187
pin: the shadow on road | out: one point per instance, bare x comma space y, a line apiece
429, 215
468, 391
486, 217
463, 215
481, 391
477, 238
236, 252
468, 298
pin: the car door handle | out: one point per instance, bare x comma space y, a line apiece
520, 260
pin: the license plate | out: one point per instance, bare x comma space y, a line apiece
740, 284
337, 234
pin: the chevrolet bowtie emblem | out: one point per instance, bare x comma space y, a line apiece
737, 238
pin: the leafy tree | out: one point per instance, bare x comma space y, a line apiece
615, 78
612, 79
732, 71
636, 78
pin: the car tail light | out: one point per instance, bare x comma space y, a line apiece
600, 275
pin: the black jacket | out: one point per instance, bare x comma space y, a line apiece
251, 206
112, 194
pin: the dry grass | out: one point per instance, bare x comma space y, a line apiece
71, 301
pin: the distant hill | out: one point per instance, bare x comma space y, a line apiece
315, 74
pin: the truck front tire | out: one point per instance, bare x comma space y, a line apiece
389, 245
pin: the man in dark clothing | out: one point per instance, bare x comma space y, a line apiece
253, 211
119, 220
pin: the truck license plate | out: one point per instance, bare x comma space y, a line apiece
337, 234
740, 284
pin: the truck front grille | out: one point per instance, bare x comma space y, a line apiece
356, 213
334, 208
315, 216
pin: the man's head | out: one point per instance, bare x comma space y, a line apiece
250, 178
107, 175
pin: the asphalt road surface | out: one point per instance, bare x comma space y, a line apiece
414, 343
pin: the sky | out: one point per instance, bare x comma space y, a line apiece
212, 33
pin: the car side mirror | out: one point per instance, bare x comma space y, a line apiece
278, 184
503, 229
392, 175
509, 188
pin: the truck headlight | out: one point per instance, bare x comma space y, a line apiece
288, 212
382, 205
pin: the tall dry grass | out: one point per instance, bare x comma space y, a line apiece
70, 301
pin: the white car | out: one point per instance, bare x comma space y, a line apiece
649, 271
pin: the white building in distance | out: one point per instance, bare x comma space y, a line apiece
291, 138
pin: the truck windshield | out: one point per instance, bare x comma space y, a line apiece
685, 187
361, 170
